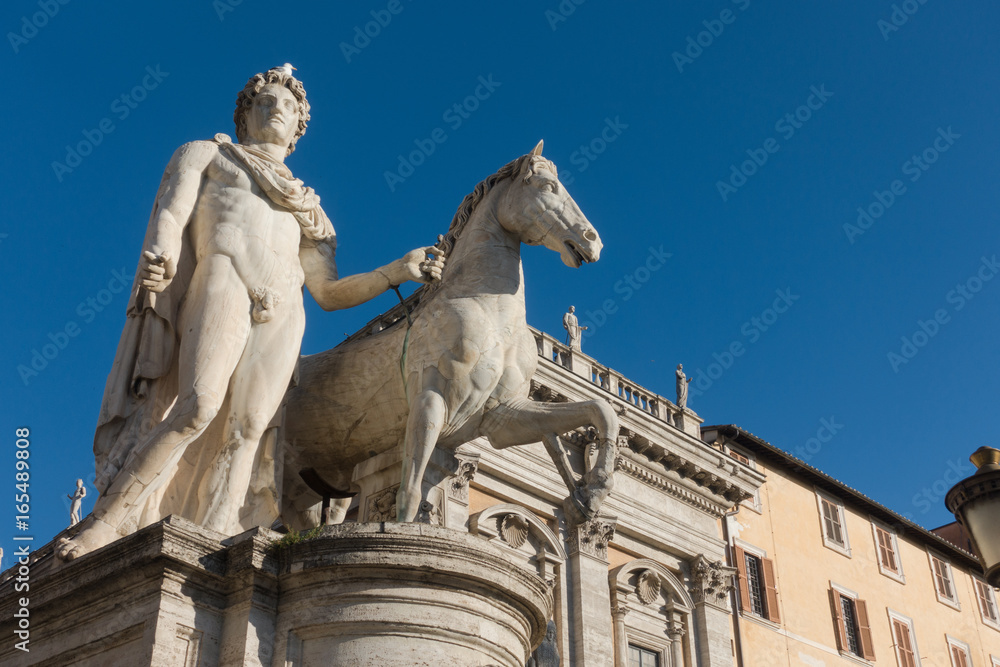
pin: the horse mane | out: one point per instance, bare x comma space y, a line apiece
473, 199
446, 242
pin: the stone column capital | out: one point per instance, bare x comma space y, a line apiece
592, 537
711, 581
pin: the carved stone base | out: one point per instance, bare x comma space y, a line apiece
177, 595
445, 489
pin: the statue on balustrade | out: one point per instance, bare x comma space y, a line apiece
682, 387
574, 332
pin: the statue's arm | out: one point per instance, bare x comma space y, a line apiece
333, 293
175, 204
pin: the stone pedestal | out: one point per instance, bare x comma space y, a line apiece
177, 595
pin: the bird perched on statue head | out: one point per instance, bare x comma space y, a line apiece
286, 69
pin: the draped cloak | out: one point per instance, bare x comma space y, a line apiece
142, 385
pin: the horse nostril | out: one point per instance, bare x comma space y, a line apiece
590, 236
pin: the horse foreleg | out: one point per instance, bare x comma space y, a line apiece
427, 415
524, 422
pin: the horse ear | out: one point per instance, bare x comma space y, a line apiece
537, 150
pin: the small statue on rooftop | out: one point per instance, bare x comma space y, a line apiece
78, 495
573, 329
682, 387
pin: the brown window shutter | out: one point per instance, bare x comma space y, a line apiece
741, 567
771, 589
867, 645
885, 550
904, 644
838, 620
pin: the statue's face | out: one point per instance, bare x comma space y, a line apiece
274, 117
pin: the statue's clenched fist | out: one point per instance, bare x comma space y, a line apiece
157, 270
422, 265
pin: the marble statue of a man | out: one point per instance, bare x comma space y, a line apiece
77, 502
214, 326
573, 329
682, 387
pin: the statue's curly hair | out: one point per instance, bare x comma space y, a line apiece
244, 101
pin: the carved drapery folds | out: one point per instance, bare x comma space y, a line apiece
592, 537
711, 582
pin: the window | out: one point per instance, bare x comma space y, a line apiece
853, 629
959, 652
987, 603
758, 592
887, 552
944, 583
739, 457
905, 644
640, 657
831, 513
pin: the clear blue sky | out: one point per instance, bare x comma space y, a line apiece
880, 95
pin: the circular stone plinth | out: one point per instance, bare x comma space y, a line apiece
406, 594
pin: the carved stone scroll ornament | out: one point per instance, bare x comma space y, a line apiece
711, 581
592, 537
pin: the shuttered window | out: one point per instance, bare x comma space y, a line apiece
987, 602
757, 587
832, 522
942, 578
904, 644
887, 550
959, 658
853, 629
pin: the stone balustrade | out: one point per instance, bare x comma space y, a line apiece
611, 381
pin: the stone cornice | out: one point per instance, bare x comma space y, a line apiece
636, 469
660, 454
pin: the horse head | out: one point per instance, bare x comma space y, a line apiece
538, 210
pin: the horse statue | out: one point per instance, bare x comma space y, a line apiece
459, 366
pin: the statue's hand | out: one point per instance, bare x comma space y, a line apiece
415, 266
157, 270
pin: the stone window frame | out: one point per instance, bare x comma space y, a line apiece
678, 614
768, 593
898, 575
983, 588
957, 645
658, 655
947, 574
907, 622
845, 548
865, 641
651, 643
